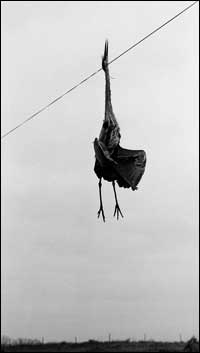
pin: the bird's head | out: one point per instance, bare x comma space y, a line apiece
105, 56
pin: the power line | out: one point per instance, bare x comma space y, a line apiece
94, 73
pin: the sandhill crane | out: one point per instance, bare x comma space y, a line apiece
114, 163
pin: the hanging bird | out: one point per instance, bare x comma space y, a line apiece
114, 163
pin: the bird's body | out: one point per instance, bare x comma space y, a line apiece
114, 163
125, 166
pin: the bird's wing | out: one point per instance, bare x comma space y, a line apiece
124, 153
130, 166
102, 154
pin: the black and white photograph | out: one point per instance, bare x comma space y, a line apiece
100, 176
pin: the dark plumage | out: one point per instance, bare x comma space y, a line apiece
114, 163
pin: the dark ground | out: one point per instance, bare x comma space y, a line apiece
95, 346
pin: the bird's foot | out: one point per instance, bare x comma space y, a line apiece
101, 211
117, 211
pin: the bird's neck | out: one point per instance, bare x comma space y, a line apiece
109, 115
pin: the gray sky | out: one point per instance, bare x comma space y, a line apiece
65, 272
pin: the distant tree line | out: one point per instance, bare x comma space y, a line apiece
7, 341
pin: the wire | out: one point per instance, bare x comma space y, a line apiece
94, 73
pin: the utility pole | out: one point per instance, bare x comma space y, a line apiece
109, 337
76, 340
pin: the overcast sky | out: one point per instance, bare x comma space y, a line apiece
64, 272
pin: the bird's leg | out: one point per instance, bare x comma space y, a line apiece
101, 211
117, 208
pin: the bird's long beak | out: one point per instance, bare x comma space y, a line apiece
106, 50
105, 56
